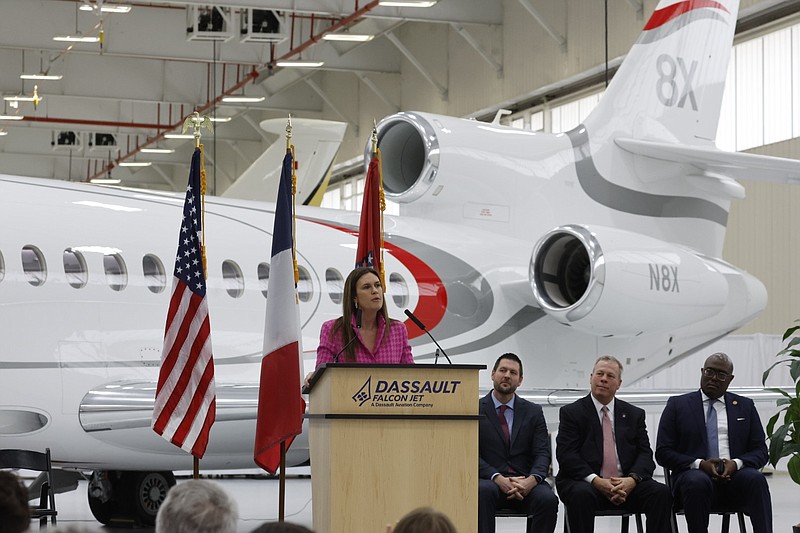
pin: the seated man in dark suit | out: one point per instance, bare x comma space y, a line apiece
514, 451
604, 456
713, 442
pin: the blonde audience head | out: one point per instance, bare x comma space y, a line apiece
424, 520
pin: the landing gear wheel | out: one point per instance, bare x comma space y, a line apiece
102, 511
149, 491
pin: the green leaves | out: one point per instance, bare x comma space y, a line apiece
784, 435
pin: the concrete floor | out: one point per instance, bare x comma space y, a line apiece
258, 503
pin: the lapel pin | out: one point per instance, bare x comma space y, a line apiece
735, 402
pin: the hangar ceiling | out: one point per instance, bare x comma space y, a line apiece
163, 59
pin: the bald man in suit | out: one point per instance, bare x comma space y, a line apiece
713, 443
514, 453
604, 456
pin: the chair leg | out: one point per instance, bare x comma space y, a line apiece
726, 523
529, 526
639, 526
742, 526
624, 526
674, 522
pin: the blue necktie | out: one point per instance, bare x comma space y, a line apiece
712, 431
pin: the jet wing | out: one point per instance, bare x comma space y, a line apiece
736, 165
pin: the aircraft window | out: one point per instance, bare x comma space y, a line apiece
304, 286
33, 265
116, 271
263, 278
233, 279
398, 288
335, 285
75, 268
2, 267
154, 273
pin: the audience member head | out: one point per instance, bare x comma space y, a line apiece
197, 506
281, 527
424, 520
14, 514
606, 378
716, 375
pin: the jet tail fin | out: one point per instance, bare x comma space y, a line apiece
316, 144
670, 85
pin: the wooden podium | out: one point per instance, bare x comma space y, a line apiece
386, 439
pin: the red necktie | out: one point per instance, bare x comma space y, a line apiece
609, 468
504, 424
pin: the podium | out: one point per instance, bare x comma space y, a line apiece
386, 439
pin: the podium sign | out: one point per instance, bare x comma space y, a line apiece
386, 439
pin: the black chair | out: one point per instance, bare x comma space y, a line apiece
626, 515
724, 510
511, 513
39, 462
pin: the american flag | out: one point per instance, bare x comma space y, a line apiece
185, 405
280, 402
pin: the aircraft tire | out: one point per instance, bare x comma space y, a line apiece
102, 511
149, 491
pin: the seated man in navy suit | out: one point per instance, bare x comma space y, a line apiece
713, 442
604, 456
514, 452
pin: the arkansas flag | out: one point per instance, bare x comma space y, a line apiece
185, 405
368, 253
280, 404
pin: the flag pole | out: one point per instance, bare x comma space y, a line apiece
282, 475
196, 122
282, 484
376, 154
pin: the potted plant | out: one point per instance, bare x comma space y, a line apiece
784, 437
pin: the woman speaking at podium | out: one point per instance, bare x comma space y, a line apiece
364, 333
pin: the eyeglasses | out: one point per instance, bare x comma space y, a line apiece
719, 375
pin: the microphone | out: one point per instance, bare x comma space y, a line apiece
358, 326
421, 326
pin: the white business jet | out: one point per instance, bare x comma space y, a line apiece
605, 239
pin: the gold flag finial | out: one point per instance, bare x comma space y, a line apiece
374, 136
197, 121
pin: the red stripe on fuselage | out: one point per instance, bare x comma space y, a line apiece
432, 293
662, 16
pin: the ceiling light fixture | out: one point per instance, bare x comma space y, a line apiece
300, 64
221, 119
407, 3
76, 39
3, 133
11, 117
348, 37
178, 136
107, 8
18, 98
157, 150
135, 163
234, 99
105, 181
40, 76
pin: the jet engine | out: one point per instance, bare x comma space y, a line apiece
612, 282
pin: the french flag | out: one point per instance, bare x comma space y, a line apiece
280, 404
